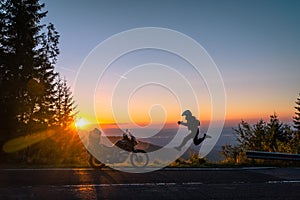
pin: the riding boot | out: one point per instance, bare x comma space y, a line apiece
200, 140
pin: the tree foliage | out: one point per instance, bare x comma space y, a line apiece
64, 104
297, 115
272, 136
30, 88
33, 97
296, 121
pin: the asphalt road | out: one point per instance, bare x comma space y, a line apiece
251, 183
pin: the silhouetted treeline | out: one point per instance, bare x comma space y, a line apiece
272, 136
33, 97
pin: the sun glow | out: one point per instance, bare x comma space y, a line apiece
81, 123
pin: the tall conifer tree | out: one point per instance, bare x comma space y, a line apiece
28, 53
297, 115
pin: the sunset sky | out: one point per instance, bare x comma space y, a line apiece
254, 44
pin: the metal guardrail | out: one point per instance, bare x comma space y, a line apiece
272, 155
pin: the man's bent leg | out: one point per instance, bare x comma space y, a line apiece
200, 140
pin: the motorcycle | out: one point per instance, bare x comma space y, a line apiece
120, 152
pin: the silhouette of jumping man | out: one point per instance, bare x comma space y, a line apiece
192, 124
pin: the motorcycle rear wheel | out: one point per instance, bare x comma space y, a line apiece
95, 163
139, 158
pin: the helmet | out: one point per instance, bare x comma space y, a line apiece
187, 113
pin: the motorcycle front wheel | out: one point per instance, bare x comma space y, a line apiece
139, 158
95, 163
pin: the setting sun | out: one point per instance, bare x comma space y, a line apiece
81, 123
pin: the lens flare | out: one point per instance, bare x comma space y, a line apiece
23, 142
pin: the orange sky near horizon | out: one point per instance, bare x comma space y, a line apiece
235, 112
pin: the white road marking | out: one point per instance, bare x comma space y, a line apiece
159, 184
283, 181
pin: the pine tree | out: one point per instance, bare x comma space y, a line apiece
47, 77
33, 97
297, 117
28, 53
64, 104
296, 121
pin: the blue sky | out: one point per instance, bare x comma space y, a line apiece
255, 44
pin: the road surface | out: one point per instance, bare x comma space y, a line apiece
242, 183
